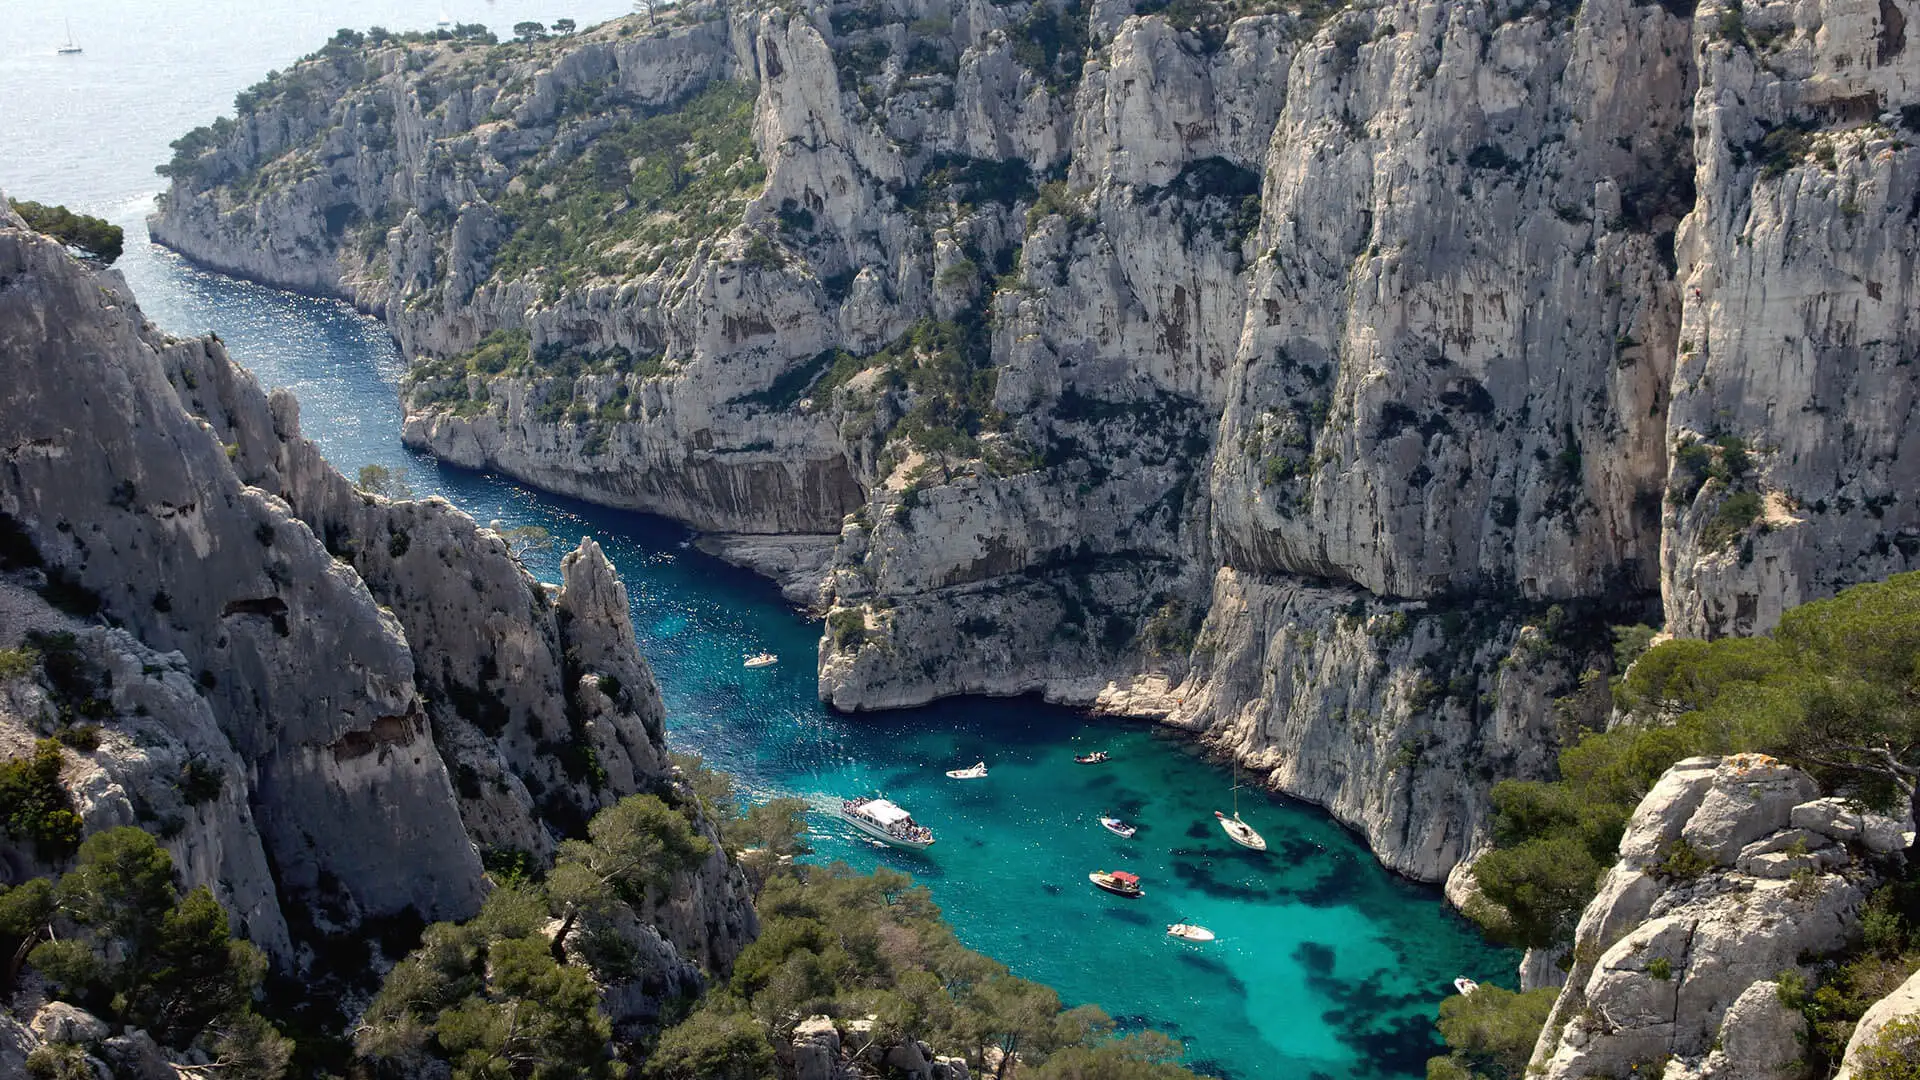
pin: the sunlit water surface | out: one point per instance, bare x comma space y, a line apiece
1325, 966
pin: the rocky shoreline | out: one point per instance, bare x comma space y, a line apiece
1325, 386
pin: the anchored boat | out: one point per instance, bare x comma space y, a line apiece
1464, 986
1190, 932
1118, 828
1118, 882
760, 660
887, 822
1094, 758
1239, 831
977, 772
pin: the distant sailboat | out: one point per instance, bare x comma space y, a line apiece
69, 48
1239, 831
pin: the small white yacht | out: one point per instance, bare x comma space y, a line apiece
760, 660
978, 771
1190, 932
887, 822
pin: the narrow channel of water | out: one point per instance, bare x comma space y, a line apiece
1326, 965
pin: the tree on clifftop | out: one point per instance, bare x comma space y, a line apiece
92, 237
530, 30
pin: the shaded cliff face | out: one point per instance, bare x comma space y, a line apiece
379, 689
1277, 373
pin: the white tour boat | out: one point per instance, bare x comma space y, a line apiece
977, 772
887, 822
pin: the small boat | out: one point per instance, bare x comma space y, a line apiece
69, 48
887, 822
1094, 758
1190, 932
760, 660
1118, 828
1240, 832
1118, 882
1464, 986
977, 772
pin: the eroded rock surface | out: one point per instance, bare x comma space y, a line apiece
1729, 874
1136, 364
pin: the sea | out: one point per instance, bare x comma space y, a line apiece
1326, 967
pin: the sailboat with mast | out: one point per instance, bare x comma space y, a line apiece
69, 48
1239, 831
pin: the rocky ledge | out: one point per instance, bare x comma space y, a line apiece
1323, 378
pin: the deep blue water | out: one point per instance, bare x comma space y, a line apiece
1325, 964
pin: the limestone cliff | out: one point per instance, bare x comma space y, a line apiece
1731, 872
1320, 377
326, 703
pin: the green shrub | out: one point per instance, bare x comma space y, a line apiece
91, 236
17, 664
1736, 512
848, 627
1490, 1033
35, 807
1894, 1054
1681, 861
1660, 968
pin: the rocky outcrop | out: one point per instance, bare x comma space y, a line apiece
325, 702
1730, 873
1902, 1004
1130, 359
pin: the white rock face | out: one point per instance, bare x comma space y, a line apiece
378, 688
1481, 308
1902, 1004
1682, 969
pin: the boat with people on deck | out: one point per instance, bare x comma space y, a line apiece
1094, 758
1464, 986
1118, 882
1118, 828
1239, 831
1190, 932
887, 822
763, 659
978, 771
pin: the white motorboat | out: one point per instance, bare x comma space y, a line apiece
1239, 831
1118, 828
760, 660
887, 822
1118, 882
1094, 758
1190, 932
1464, 986
977, 772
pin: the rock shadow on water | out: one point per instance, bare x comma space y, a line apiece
1391, 1033
1340, 884
1205, 876
1129, 915
1226, 982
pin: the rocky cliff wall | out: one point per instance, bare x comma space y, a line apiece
1145, 359
1677, 959
379, 688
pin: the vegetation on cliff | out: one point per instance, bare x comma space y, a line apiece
116, 936
90, 236
1834, 690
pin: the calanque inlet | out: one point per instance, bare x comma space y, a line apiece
1496, 424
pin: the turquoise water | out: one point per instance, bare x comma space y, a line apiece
1326, 965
